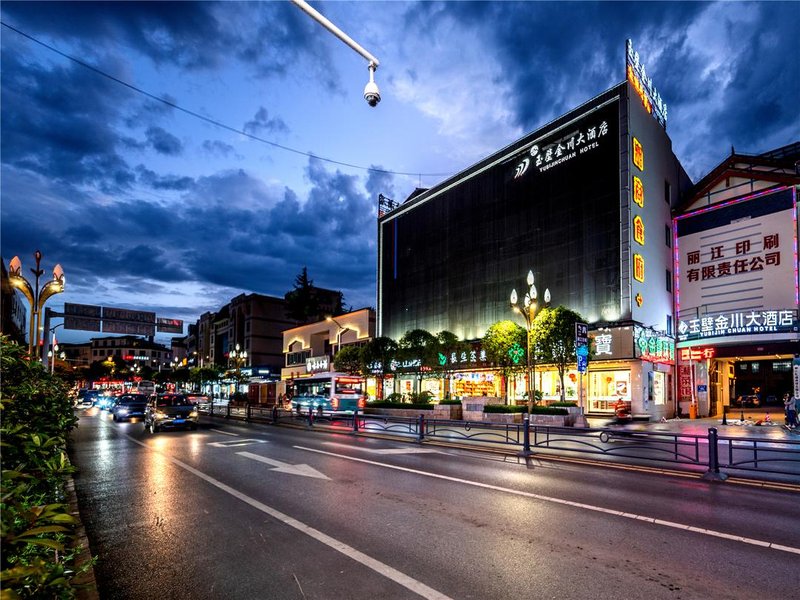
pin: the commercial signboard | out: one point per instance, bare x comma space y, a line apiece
169, 325
733, 264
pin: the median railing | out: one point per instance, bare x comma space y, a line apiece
714, 453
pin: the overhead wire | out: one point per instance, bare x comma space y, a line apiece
209, 119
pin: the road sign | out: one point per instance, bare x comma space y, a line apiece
581, 334
796, 373
81, 323
583, 363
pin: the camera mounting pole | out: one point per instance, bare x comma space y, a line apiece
314, 14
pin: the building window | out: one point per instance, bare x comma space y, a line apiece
784, 365
754, 367
667, 193
669, 280
668, 236
669, 324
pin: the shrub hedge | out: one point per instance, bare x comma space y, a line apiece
538, 410
39, 557
400, 405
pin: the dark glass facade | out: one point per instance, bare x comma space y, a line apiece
449, 258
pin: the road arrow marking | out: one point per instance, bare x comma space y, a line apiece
283, 467
235, 443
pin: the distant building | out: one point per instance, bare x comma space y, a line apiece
13, 314
309, 349
584, 202
253, 321
131, 349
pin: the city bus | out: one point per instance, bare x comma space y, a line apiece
148, 388
327, 393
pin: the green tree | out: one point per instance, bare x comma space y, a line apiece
303, 303
447, 344
553, 339
504, 343
378, 355
417, 349
205, 374
349, 360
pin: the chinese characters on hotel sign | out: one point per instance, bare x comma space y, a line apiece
738, 257
738, 323
543, 157
643, 85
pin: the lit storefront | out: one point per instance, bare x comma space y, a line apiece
736, 291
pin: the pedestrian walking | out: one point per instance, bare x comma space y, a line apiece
790, 404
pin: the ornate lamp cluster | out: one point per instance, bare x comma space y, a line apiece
530, 306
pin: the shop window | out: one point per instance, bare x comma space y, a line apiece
659, 389
606, 388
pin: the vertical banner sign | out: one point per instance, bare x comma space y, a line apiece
796, 373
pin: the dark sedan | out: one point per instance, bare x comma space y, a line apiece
170, 410
129, 406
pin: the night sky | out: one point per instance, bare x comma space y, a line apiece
172, 155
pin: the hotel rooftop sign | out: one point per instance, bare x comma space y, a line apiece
638, 78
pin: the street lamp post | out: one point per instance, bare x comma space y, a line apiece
528, 311
339, 331
238, 357
35, 295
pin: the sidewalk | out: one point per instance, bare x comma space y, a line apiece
758, 423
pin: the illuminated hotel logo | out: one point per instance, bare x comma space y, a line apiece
638, 155
738, 323
637, 75
563, 150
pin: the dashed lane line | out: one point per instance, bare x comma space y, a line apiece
379, 567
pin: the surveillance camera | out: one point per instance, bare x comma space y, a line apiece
371, 94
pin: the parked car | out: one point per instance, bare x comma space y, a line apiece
170, 410
199, 399
129, 406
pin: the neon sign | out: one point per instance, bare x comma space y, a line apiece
643, 85
638, 154
738, 323
638, 230
688, 354
655, 348
638, 267
638, 191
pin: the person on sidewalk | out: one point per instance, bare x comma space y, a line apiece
790, 404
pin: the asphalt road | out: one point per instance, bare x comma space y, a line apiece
238, 510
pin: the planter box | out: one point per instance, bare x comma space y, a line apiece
502, 417
472, 406
550, 420
447, 411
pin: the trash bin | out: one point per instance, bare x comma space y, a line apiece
693, 411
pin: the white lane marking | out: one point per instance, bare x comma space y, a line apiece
398, 577
224, 432
581, 505
387, 451
235, 443
283, 467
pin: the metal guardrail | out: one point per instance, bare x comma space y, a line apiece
711, 451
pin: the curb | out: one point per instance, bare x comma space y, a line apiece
84, 583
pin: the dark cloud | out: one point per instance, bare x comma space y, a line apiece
217, 148
163, 142
261, 123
